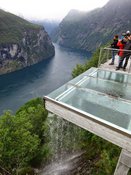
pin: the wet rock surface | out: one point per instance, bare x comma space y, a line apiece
76, 164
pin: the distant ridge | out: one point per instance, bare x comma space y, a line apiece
87, 31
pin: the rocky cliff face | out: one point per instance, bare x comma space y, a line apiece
87, 31
31, 46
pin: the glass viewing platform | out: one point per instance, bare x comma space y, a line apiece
104, 94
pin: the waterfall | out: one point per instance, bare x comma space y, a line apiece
64, 137
64, 144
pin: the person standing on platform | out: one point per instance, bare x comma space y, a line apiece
121, 44
114, 46
126, 54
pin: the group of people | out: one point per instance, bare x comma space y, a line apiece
123, 48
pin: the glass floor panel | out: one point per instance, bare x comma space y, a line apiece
114, 76
102, 93
113, 88
102, 106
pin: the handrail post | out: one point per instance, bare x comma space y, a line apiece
108, 51
99, 61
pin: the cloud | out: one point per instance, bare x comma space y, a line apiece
48, 8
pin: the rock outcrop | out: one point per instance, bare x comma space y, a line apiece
22, 43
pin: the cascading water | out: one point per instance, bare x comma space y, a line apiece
65, 139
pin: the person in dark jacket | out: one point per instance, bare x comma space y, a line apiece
126, 54
114, 46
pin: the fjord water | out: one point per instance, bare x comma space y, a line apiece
38, 80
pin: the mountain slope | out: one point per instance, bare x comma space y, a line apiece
87, 31
21, 43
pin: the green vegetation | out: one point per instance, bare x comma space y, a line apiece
22, 138
13, 27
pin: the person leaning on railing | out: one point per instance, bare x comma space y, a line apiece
114, 46
126, 54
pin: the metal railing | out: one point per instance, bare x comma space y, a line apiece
106, 54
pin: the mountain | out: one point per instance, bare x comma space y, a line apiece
87, 31
22, 43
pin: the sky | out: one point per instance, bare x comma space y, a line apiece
48, 9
